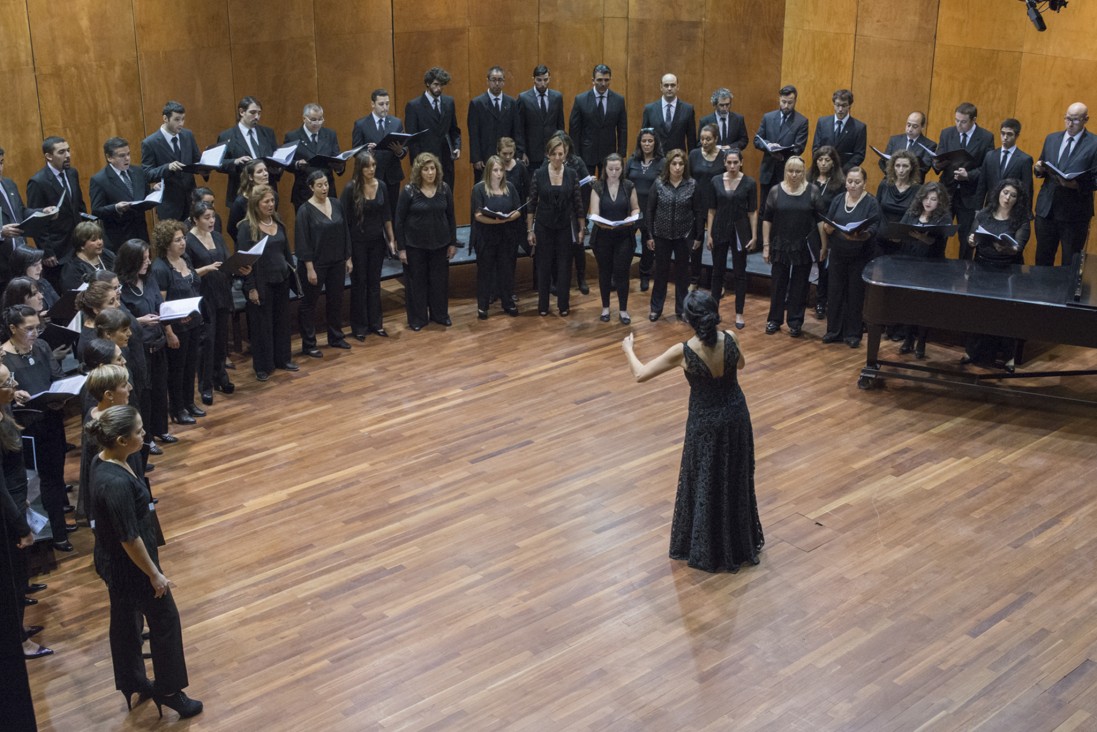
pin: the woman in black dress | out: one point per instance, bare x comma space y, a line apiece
792, 239
930, 207
254, 173
999, 235
267, 287
732, 221
371, 238
206, 248
141, 298
178, 279
849, 253
555, 219
676, 222
126, 559
614, 199
493, 237
426, 237
644, 166
826, 176
32, 364
322, 238
716, 526
88, 256
705, 163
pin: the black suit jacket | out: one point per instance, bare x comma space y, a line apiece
899, 142
681, 135
486, 126
965, 193
596, 136
794, 133
156, 156
12, 211
43, 190
737, 130
389, 168
990, 173
851, 145
443, 136
327, 144
107, 189
536, 127
1068, 204
238, 147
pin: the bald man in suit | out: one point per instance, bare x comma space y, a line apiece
672, 119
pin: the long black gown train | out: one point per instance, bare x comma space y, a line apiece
716, 526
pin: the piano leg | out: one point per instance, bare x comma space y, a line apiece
868, 374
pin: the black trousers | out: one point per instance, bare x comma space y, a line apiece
664, 250
157, 391
647, 257
696, 263
1051, 233
427, 295
213, 348
613, 252
847, 295
965, 219
496, 258
552, 260
368, 257
789, 293
129, 611
330, 279
739, 271
49, 456
823, 283
269, 326
183, 369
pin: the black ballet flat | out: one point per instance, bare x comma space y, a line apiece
625, 319
36, 587
381, 332
167, 438
34, 630
481, 314
42, 651
604, 317
739, 325
654, 316
312, 352
195, 411
340, 344
183, 418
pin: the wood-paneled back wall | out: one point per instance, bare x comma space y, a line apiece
91, 69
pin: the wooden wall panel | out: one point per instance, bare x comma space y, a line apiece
983, 24
818, 63
954, 83
571, 38
21, 131
673, 44
820, 15
876, 102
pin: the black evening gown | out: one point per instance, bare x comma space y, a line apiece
716, 526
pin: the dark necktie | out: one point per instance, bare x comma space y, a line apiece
602, 104
838, 127
1066, 152
175, 148
127, 180
963, 140
910, 143
436, 110
1005, 160
64, 181
668, 116
543, 104
252, 143
784, 119
724, 129
314, 137
497, 108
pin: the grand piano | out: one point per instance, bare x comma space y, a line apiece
1046, 304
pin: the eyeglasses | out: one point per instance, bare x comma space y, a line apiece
1075, 120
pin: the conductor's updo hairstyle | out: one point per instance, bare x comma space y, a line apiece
114, 423
703, 315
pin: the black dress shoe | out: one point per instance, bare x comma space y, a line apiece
604, 317
965, 359
481, 314
772, 327
29, 601
444, 321
831, 337
69, 508
360, 337
183, 418
564, 313
312, 352
72, 528
820, 311
155, 449
207, 397
583, 286
853, 342
226, 388
289, 366
645, 282
262, 376
795, 332
149, 467
167, 438
908, 345
340, 344
36, 587
34, 630
416, 328
381, 332
61, 546
195, 411
42, 651
653, 316
625, 319
512, 312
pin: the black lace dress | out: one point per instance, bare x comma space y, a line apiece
716, 526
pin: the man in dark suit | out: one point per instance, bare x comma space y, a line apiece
1009, 161
731, 128
44, 189
598, 124
1064, 208
163, 155
247, 139
671, 118
784, 127
312, 138
369, 131
842, 132
113, 189
540, 115
961, 183
913, 140
436, 113
12, 212
491, 115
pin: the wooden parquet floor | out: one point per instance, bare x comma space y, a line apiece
468, 530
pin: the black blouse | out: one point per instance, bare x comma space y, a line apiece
676, 212
36, 370
867, 209
556, 207
216, 285
143, 299
426, 222
731, 221
367, 225
178, 287
76, 271
276, 262
121, 504
794, 228
985, 250
703, 171
505, 203
321, 240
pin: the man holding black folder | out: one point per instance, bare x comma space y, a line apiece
912, 141
245, 140
44, 189
164, 153
12, 212
1064, 207
782, 134
312, 139
960, 172
436, 113
1008, 161
371, 130
113, 191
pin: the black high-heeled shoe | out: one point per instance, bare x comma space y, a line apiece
183, 418
180, 702
143, 694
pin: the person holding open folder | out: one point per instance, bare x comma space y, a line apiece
371, 237
849, 251
969, 144
495, 206
613, 198
322, 238
930, 208
206, 247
